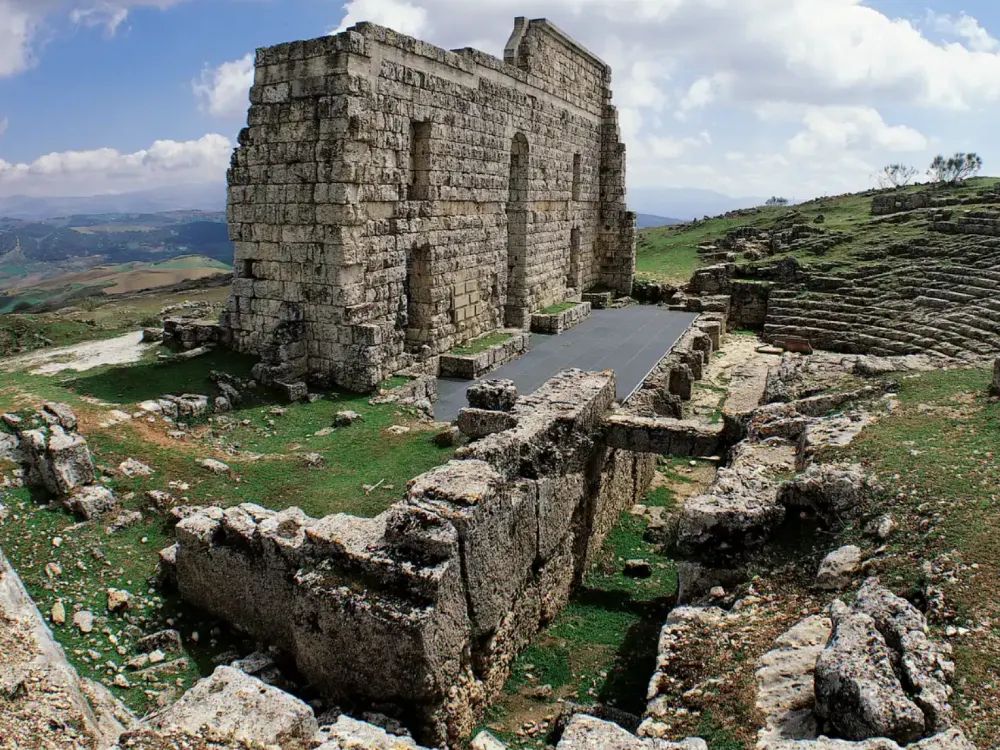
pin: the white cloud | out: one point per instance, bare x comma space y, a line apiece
400, 15
671, 148
223, 91
702, 92
105, 170
852, 129
22, 21
966, 28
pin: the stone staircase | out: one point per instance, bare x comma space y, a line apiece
933, 297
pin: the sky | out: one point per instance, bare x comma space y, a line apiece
798, 98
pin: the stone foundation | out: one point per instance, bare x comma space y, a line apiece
425, 606
474, 366
561, 321
185, 334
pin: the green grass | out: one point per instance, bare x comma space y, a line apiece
29, 332
127, 560
938, 453
602, 647
481, 344
558, 307
670, 254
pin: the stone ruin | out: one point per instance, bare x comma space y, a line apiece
391, 200
425, 606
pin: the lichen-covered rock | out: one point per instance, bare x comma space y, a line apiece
239, 706
497, 395
58, 460
858, 694
838, 569
586, 732
92, 501
834, 492
60, 414
926, 666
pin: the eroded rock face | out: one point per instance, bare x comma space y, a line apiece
880, 676
240, 707
834, 492
837, 570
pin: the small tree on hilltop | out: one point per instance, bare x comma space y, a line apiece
896, 175
776, 201
955, 168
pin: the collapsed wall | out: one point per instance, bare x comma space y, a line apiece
422, 609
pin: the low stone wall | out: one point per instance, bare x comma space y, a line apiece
423, 608
473, 366
664, 436
748, 309
184, 334
559, 322
598, 300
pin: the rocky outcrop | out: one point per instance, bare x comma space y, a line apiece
833, 492
861, 692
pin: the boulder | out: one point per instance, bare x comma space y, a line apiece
925, 665
838, 569
134, 468
214, 466
348, 734
58, 460
858, 694
239, 706
833, 492
91, 501
60, 414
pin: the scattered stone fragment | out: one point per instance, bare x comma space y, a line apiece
118, 600
58, 613
91, 501
637, 569
235, 704
345, 418
123, 520
486, 741
134, 468
397, 429
159, 498
838, 569
881, 527
84, 621
314, 460
214, 466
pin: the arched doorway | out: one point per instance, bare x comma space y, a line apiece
515, 310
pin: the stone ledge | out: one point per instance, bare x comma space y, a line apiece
598, 300
561, 321
664, 436
473, 366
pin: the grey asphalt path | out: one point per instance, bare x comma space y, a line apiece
630, 341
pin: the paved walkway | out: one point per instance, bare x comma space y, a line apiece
629, 341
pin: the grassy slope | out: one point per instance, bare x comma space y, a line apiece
670, 253
938, 457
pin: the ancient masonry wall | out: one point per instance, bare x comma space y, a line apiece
391, 200
422, 609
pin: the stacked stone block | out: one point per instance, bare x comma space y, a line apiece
390, 200
422, 609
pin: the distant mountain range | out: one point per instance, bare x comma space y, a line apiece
200, 197
644, 221
653, 204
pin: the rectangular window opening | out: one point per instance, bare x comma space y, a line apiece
420, 160
577, 168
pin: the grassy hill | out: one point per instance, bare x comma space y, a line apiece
671, 253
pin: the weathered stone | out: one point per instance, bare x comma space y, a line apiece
589, 733
213, 465
58, 460
133, 468
838, 569
496, 395
478, 423
60, 414
242, 707
92, 501
835, 492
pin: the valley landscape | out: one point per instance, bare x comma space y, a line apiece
430, 440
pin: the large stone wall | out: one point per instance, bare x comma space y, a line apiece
391, 200
422, 609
